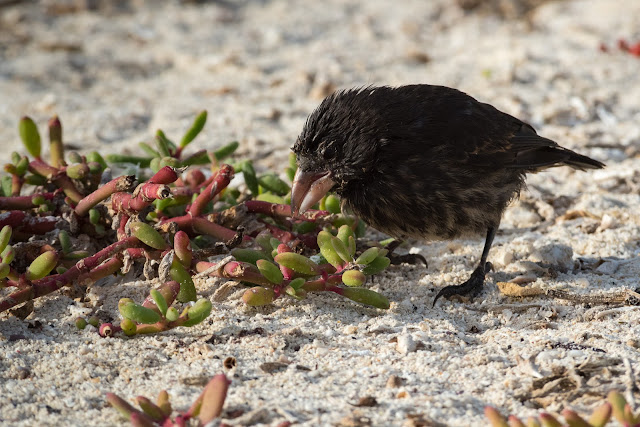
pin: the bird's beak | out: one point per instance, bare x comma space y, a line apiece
307, 190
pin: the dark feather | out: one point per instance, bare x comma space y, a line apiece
425, 161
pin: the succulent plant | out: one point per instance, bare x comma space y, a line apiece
175, 217
616, 405
204, 410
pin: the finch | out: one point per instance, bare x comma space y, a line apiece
421, 161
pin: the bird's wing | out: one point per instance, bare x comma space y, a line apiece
522, 148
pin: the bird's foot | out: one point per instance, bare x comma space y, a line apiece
396, 259
471, 287
412, 259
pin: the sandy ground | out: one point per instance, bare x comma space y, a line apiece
117, 74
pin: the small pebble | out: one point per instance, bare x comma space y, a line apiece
367, 401
350, 330
406, 344
607, 222
394, 381
23, 373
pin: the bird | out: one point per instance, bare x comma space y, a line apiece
421, 161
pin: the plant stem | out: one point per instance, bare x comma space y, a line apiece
82, 268
122, 183
21, 202
220, 181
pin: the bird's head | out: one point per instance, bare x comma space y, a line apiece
336, 149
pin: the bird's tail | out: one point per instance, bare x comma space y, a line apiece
543, 157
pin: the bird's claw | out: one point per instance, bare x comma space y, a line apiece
396, 259
471, 287
407, 258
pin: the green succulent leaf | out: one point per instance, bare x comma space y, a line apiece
198, 312
65, 241
81, 323
8, 254
332, 204
42, 265
367, 297
327, 249
258, 296
30, 136
172, 314
161, 303
495, 418
377, 265
297, 283
353, 278
601, 416
181, 275
250, 177
368, 256
271, 182
195, 129
341, 249
4, 270
94, 156
138, 313
226, 150
128, 326
148, 235
270, 271
5, 237
248, 255
298, 263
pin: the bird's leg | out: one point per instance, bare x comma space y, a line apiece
472, 286
396, 259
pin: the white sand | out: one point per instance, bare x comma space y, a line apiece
259, 68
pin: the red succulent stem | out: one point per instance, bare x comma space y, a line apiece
105, 269
151, 191
182, 192
108, 330
283, 235
246, 272
142, 197
166, 175
286, 271
38, 166
308, 239
201, 225
120, 184
121, 232
198, 188
39, 224
82, 269
22, 202
26, 226
278, 210
125, 202
194, 178
220, 181
235, 270
137, 253
16, 184
12, 218
323, 284
56, 149
169, 291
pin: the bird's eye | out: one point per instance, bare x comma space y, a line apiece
328, 152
